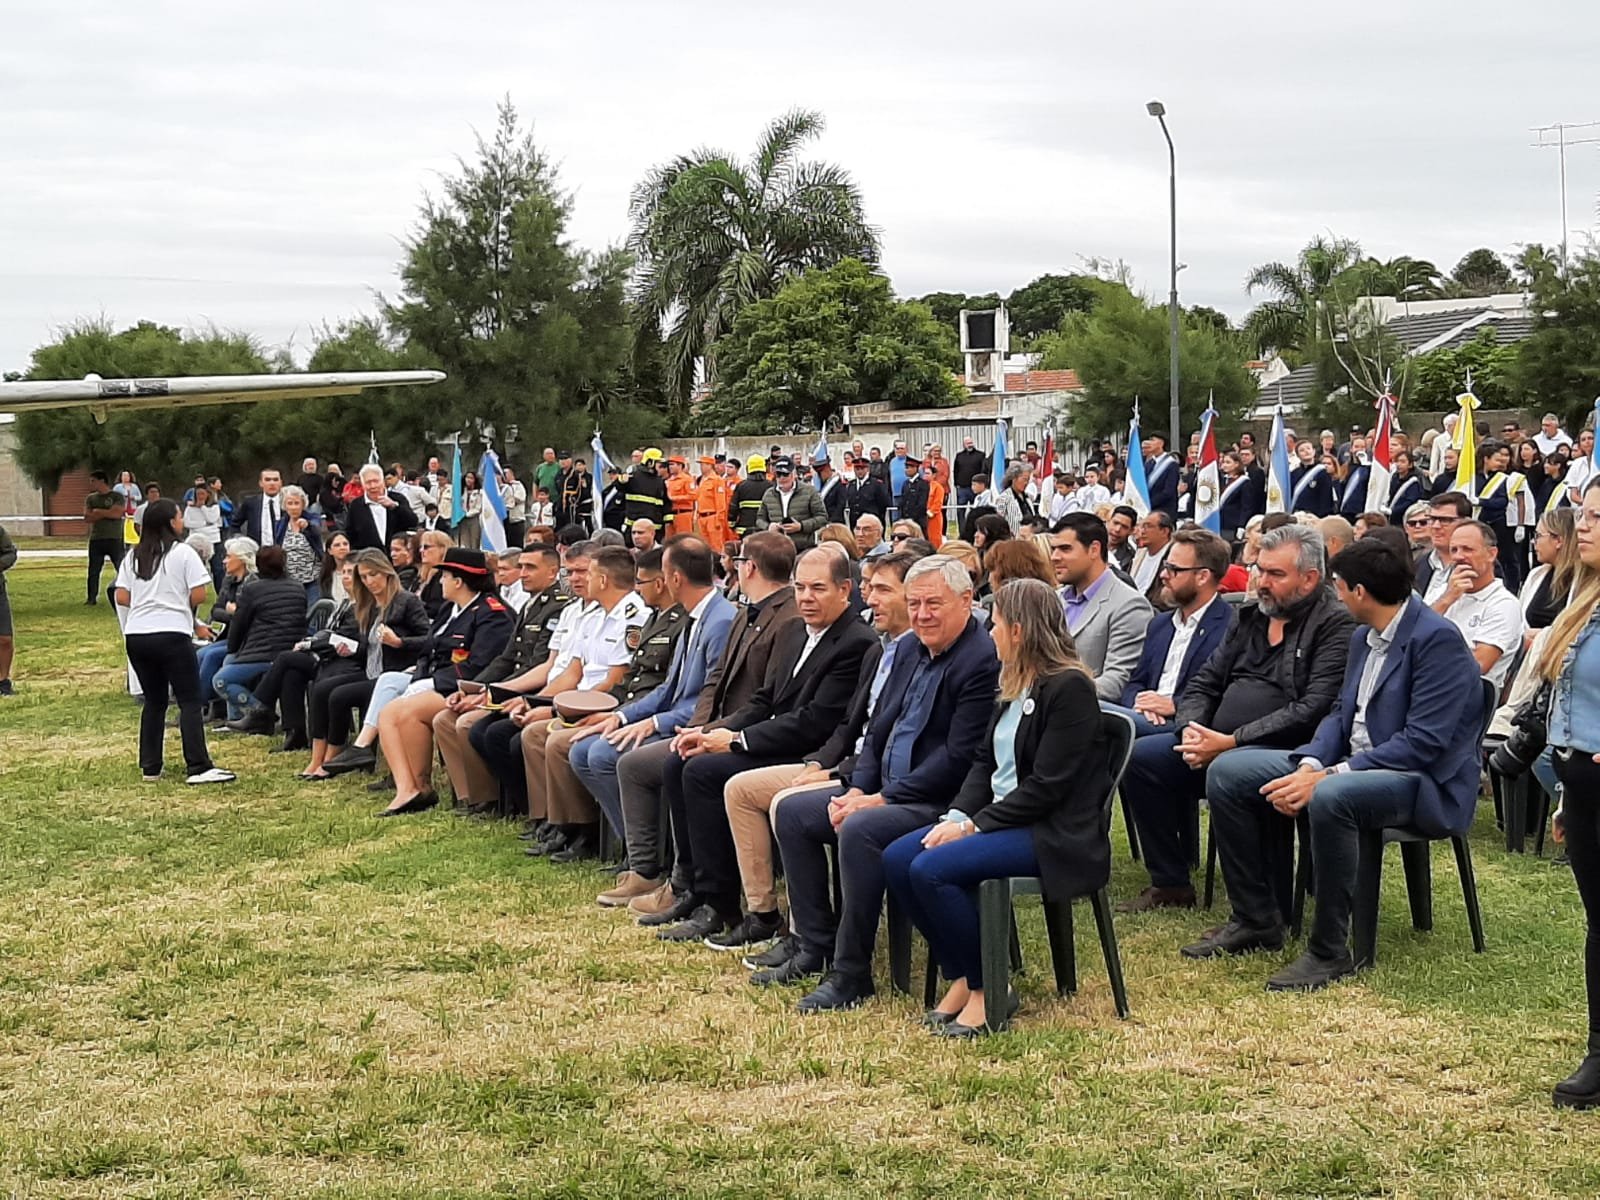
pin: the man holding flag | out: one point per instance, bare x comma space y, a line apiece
1160, 474
492, 518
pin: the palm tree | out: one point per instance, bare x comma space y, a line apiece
713, 234
1288, 320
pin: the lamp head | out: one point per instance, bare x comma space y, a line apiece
1156, 109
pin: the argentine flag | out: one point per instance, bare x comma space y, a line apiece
1136, 493
998, 472
492, 520
602, 464
1278, 465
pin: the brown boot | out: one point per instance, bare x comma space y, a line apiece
653, 902
1159, 897
630, 884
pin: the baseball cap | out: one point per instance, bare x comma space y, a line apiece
782, 466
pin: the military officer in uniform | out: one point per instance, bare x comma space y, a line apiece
530, 645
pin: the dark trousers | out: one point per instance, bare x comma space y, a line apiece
1580, 809
498, 741
1341, 808
1255, 842
331, 699
938, 888
804, 835
514, 533
164, 661
694, 789
1164, 794
289, 680
101, 551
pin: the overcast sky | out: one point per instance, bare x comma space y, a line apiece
189, 164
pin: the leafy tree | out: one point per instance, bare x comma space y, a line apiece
529, 329
1535, 266
1203, 314
946, 307
1403, 277
1040, 306
714, 234
1289, 320
1438, 376
829, 338
1558, 365
1120, 351
165, 444
1480, 272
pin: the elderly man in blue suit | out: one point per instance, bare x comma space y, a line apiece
687, 568
1162, 790
1400, 748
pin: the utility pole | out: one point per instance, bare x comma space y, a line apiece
1558, 137
1159, 111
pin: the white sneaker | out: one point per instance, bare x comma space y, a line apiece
214, 775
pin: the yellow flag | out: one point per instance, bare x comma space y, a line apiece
1466, 441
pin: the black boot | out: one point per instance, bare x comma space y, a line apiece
256, 719
583, 841
293, 739
1581, 1089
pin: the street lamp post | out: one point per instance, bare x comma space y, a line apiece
1159, 111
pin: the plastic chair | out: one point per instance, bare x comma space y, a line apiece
1415, 857
318, 616
997, 923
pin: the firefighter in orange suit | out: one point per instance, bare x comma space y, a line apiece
680, 495
711, 505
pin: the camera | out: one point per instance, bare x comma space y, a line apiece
1512, 757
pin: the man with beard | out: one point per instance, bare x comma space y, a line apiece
1276, 675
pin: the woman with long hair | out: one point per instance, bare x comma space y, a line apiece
128, 489
1571, 663
431, 548
1029, 805
1016, 558
331, 575
469, 530
1407, 485
1548, 588
382, 607
989, 530
161, 584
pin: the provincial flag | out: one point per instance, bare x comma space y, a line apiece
1207, 480
1381, 474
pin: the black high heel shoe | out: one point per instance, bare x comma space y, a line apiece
421, 802
351, 758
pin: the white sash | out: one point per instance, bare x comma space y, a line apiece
1305, 482
1157, 471
1231, 488
828, 487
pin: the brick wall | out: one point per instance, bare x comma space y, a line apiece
66, 500
18, 497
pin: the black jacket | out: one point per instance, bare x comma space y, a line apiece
409, 619
865, 496
914, 499
790, 713
227, 594
1063, 775
460, 648
838, 753
363, 533
1310, 668
270, 618
965, 465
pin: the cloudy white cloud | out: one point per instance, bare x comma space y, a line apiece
256, 168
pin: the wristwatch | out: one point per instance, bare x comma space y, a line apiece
739, 743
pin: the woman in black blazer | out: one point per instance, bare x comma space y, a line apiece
1031, 804
381, 604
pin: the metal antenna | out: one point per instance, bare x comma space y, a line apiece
1558, 137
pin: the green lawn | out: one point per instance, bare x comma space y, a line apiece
262, 991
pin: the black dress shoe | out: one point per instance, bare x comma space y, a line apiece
1581, 1089
681, 908
799, 966
479, 811
1310, 972
553, 841
293, 739
757, 929
421, 802
1234, 938
837, 992
255, 719
950, 1027
935, 1020
702, 923
774, 955
351, 758
583, 842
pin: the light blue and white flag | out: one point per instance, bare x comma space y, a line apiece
492, 520
1136, 493
821, 450
1278, 464
602, 465
998, 472
457, 506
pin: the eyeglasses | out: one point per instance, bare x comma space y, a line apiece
1585, 517
1419, 523
1445, 520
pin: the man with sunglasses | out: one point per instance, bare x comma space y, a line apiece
1445, 512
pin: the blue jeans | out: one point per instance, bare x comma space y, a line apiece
233, 681
1143, 726
1341, 808
210, 657
1544, 770
391, 685
939, 889
594, 762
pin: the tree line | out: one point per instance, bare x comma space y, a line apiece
748, 298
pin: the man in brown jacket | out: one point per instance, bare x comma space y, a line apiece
765, 564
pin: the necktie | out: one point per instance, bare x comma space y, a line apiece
272, 522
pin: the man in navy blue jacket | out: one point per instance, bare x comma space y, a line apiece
1160, 788
1161, 475
932, 714
1400, 748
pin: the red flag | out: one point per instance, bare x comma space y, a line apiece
1047, 460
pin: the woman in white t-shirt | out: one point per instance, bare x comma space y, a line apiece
161, 583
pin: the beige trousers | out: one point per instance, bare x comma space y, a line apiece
752, 798
470, 777
554, 792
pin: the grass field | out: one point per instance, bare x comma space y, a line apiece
263, 991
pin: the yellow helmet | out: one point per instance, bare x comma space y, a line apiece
651, 455
755, 463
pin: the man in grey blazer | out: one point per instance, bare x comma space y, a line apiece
1107, 617
688, 572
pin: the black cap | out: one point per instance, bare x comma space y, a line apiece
783, 466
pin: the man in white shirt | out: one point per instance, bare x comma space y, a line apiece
515, 494
1581, 470
1551, 434
1093, 493
508, 577
1479, 605
1154, 536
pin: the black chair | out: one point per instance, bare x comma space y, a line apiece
319, 615
1415, 858
997, 923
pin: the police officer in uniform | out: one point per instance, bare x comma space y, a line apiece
475, 786
646, 493
747, 497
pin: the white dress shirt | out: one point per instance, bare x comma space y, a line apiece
270, 508
380, 521
1183, 632
813, 636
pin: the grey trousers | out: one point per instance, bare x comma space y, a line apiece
639, 778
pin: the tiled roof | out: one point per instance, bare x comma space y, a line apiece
1413, 331
1043, 381
1506, 330
1294, 387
